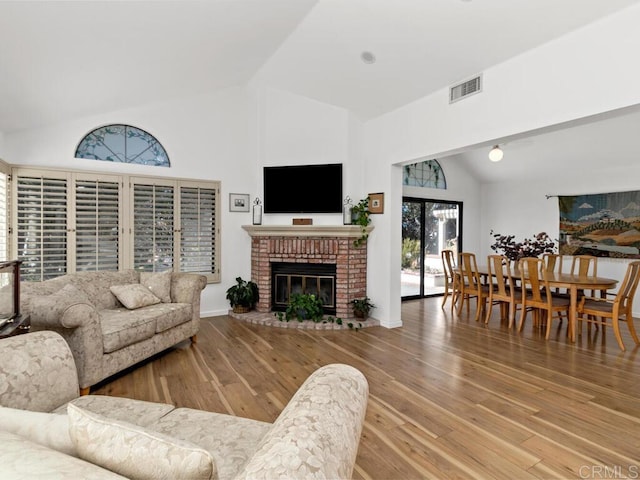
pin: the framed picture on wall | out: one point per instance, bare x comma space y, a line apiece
238, 202
376, 203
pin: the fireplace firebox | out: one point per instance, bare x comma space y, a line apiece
308, 278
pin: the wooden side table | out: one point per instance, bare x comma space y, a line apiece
19, 325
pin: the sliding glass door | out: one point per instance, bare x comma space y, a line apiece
428, 227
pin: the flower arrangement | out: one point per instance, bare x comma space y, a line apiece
530, 247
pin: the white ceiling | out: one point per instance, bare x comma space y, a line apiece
66, 59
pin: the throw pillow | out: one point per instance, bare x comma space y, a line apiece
134, 451
134, 295
47, 429
158, 283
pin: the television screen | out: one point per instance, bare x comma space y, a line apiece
303, 189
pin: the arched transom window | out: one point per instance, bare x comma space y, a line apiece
426, 174
124, 144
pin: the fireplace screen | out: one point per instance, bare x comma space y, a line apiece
289, 279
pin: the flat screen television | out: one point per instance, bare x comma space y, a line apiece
303, 189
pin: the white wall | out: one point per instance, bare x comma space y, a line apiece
296, 130
573, 77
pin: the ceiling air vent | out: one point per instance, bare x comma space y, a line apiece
465, 89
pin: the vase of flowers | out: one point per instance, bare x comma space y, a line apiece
506, 245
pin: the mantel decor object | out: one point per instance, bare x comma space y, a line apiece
376, 203
347, 211
257, 212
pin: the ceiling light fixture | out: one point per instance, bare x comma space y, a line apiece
368, 57
495, 155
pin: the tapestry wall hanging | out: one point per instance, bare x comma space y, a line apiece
604, 224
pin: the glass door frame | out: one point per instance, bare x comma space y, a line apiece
423, 202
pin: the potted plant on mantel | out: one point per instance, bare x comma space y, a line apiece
360, 216
243, 295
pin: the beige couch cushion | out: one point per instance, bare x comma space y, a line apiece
159, 283
46, 429
122, 327
169, 315
138, 412
24, 459
134, 295
230, 440
134, 451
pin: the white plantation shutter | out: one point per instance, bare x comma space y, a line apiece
4, 216
41, 229
198, 236
97, 216
153, 227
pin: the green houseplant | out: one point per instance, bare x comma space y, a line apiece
360, 215
304, 306
362, 307
243, 295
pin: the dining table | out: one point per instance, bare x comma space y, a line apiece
573, 283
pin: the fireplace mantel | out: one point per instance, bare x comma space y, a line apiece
349, 231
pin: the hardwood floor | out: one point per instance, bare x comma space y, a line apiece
449, 397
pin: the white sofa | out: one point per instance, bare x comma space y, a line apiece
106, 335
47, 431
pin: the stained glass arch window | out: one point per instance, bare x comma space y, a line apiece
123, 144
426, 174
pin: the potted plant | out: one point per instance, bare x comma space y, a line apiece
304, 306
530, 247
360, 216
362, 307
243, 295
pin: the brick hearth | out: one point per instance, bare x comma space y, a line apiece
310, 244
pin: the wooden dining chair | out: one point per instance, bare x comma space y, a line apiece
537, 297
503, 290
451, 278
471, 285
613, 308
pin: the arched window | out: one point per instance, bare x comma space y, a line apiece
124, 144
426, 174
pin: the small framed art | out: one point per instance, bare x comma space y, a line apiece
376, 203
238, 202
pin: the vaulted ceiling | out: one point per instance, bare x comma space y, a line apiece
65, 59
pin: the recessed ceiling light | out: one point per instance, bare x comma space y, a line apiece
368, 57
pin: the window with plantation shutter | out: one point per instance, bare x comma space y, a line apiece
97, 215
64, 222
153, 226
41, 226
198, 236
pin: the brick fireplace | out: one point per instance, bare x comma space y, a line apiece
310, 244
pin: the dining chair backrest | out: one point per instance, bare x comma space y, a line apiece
500, 270
627, 290
448, 263
584, 266
532, 275
550, 261
469, 270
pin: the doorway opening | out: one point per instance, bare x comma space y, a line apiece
428, 227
